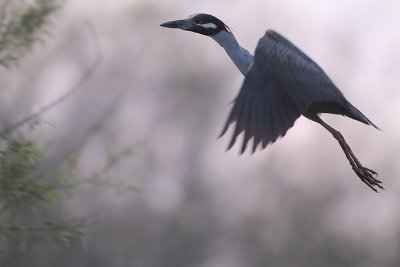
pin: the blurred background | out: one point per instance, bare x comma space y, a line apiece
166, 94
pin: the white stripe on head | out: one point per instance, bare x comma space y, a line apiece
209, 25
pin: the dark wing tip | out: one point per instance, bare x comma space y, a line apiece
261, 118
376, 127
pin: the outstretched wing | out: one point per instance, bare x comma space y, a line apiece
278, 88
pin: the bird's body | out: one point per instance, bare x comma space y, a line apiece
281, 84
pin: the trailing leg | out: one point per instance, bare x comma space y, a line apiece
366, 175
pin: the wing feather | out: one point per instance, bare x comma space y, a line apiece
280, 86
260, 120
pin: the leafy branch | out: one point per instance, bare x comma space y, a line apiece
26, 189
23, 27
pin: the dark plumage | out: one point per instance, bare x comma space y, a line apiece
281, 84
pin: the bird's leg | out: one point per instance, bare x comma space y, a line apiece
366, 175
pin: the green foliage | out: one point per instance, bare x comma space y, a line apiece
20, 185
21, 26
29, 190
24, 190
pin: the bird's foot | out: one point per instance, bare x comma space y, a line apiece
368, 176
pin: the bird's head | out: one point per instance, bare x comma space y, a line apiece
204, 24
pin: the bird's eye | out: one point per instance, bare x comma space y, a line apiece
197, 21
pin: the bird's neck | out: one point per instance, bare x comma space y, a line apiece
240, 56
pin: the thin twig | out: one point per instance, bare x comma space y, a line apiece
78, 85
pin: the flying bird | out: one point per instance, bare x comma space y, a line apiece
281, 84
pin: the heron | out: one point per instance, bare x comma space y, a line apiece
281, 83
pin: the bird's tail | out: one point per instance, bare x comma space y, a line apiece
355, 114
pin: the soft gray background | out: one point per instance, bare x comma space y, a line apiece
166, 92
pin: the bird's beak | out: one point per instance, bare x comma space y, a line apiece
184, 24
